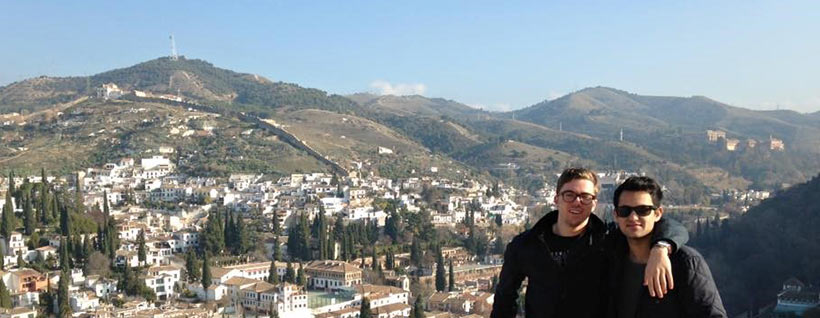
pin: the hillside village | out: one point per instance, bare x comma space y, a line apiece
156, 228
160, 217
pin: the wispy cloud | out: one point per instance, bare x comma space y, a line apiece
554, 95
399, 89
498, 107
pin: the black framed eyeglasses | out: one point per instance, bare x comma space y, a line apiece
570, 196
641, 210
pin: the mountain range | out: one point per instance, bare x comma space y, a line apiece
599, 127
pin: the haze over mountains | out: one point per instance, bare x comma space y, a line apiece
663, 136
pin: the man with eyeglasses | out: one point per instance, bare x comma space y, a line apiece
565, 259
637, 212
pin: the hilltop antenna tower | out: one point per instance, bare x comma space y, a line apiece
174, 55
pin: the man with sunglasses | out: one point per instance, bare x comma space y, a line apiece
637, 212
565, 259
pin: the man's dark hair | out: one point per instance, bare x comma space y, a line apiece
637, 184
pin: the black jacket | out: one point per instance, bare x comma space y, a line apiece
579, 289
695, 294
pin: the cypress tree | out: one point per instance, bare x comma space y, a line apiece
452, 280
228, 232
415, 252
7, 220
241, 236
277, 252
87, 250
55, 207
64, 308
275, 224
5, 296
300, 276
45, 206
79, 204
305, 238
339, 229
191, 266
65, 222
20, 261
273, 276
64, 257
294, 244
441, 281
418, 308
323, 243
290, 275
374, 260
206, 273
29, 221
364, 311
2, 260
141, 253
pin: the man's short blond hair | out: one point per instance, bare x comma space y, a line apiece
577, 173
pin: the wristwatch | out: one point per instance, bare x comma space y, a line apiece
664, 244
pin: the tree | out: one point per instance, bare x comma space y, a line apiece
141, 253
324, 247
392, 226
206, 273
20, 261
79, 204
277, 252
5, 296
191, 266
415, 252
441, 281
7, 221
64, 308
499, 246
273, 276
29, 221
213, 236
34, 241
300, 276
418, 308
275, 224
64, 257
2, 259
241, 239
389, 260
305, 238
452, 280
290, 275
65, 222
364, 311
98, 263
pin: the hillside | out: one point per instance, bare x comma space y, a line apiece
95, 132
674, 128
663, 136
752, 255
191, 78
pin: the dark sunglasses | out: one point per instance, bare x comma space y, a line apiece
641, 210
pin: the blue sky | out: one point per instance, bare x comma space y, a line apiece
754, 54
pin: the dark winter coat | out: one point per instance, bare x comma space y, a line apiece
579, 289
695, 294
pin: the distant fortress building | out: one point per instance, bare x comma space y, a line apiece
733, 144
